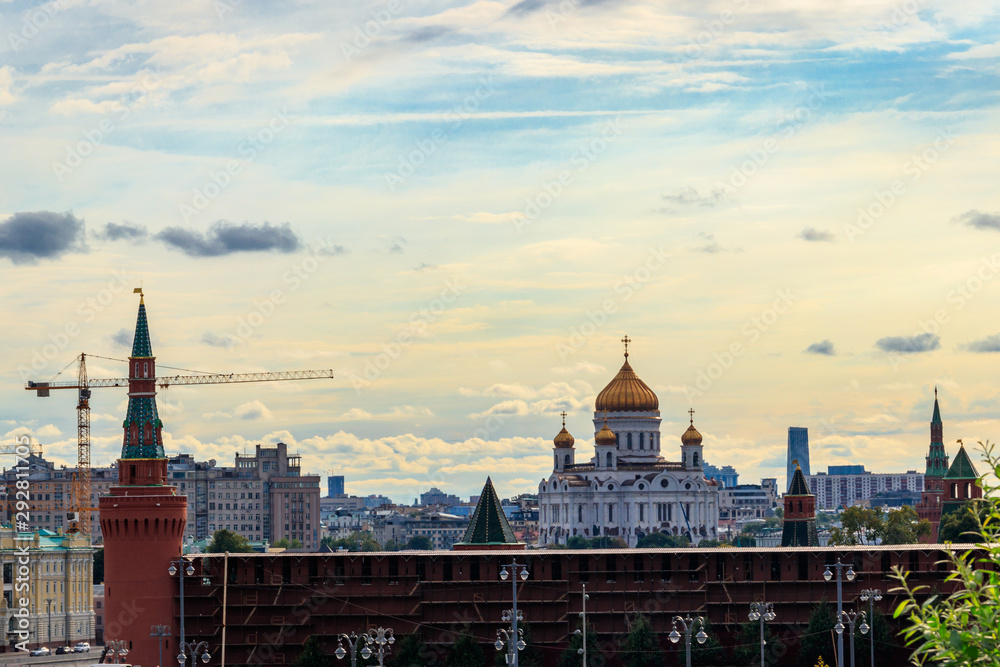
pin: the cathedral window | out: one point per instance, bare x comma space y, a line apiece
609, 459
611, 512
629, 438
566, 461
642, 512
642, 441
579, 513
696, 459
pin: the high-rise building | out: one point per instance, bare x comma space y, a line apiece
438, 497
930, 505
846, 485
335, 485
726, 476
798, 450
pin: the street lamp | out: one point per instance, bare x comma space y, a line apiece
827, 574
850, 616
382, 639
583, 615
183, 567
871, 596
515, 641
159, 631
193, 648
115, 649
688, 625
763, 612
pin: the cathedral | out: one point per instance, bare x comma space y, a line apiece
627, 489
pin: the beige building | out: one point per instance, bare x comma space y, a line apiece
48, 592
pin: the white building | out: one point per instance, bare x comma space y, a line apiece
627, 489
855, 485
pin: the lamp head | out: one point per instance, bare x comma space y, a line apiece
577, 632
878, 596
827, 574
498, 644
850, 573
520, 644
205, 657
701, 636
524, 573
181, 658
839, 627
863, 627
172, 569
674, 635
366, 653
340, 652
503, 573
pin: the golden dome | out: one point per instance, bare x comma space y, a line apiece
563, 439
605, 436
627, 393
691, 436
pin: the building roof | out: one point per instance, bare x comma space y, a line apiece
798, 487
489, 524
140, 342
936, 419
627, 393
961, 467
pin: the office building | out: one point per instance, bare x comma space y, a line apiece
335, 485
798, 452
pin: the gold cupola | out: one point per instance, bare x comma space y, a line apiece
691, 435
626, 392
605, 436
563, 439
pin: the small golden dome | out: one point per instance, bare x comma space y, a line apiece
691, 436
627, 393
563, 439
605, 436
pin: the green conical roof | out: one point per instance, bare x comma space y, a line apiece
961, 467
798, 487
936, 419
489, 524
140, 343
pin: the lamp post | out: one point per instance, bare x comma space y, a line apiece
193, 648
159, 631
352, 641
871, 596
827, 574
115, 649
183, 567
688, 625
583, 614
763, 612
850, 616
382, 639
515, 641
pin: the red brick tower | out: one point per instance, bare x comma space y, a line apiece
142, 519
931, 498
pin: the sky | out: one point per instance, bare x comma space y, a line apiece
460, 208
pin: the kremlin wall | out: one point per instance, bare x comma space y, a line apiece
259, 609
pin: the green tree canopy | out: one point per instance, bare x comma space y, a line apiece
641, 646
662, 541
964, 525
465, 652
312, 654
420, 543
903, 526
960, 630
747, 645
886, 644
817, 641
356, 541
408, 651
709, 654
571, 656
285, 543
226, 540
858, 525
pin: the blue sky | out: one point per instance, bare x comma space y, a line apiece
461, 207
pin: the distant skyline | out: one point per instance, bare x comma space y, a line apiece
460, 207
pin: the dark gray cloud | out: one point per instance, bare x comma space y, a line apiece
124, 232
29, 236
427, 34
988, 344
224, 238
924, 342
526, 7
122, 338
688, 197
979, 219
813, 234
822, 347
215, 340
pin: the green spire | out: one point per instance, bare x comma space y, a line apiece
140, 343
489, 524
798, 487
936, 419
961, 467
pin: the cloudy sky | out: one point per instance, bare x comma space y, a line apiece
461, 207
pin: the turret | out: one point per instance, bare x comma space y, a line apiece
605, 448
691, 448
563, 452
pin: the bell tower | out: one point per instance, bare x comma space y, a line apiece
142, 518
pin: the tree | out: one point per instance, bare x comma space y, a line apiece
662, 541
571, 656
465, 652
747, 649
99, 566
903, 526
608, 542
641, 647
408, 652
886, 647
356, 541
578, 542
962, 526
312, 654
226, 540
817, 640
961, 629
285, 543
709, 544
858, 525
420, 543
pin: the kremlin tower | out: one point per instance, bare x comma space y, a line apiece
142, 518
799, 520
930, 506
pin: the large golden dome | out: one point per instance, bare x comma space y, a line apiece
627, 393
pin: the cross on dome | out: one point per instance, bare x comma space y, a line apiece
626, 340
691, 413
563, 413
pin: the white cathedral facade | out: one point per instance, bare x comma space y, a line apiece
627, 489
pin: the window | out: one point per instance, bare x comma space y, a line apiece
610, 568
642, 441
145, 369
609, 458
629, 440
579, 513
747, 567
803, 567
775, 567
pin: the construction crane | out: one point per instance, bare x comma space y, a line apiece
83, 385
